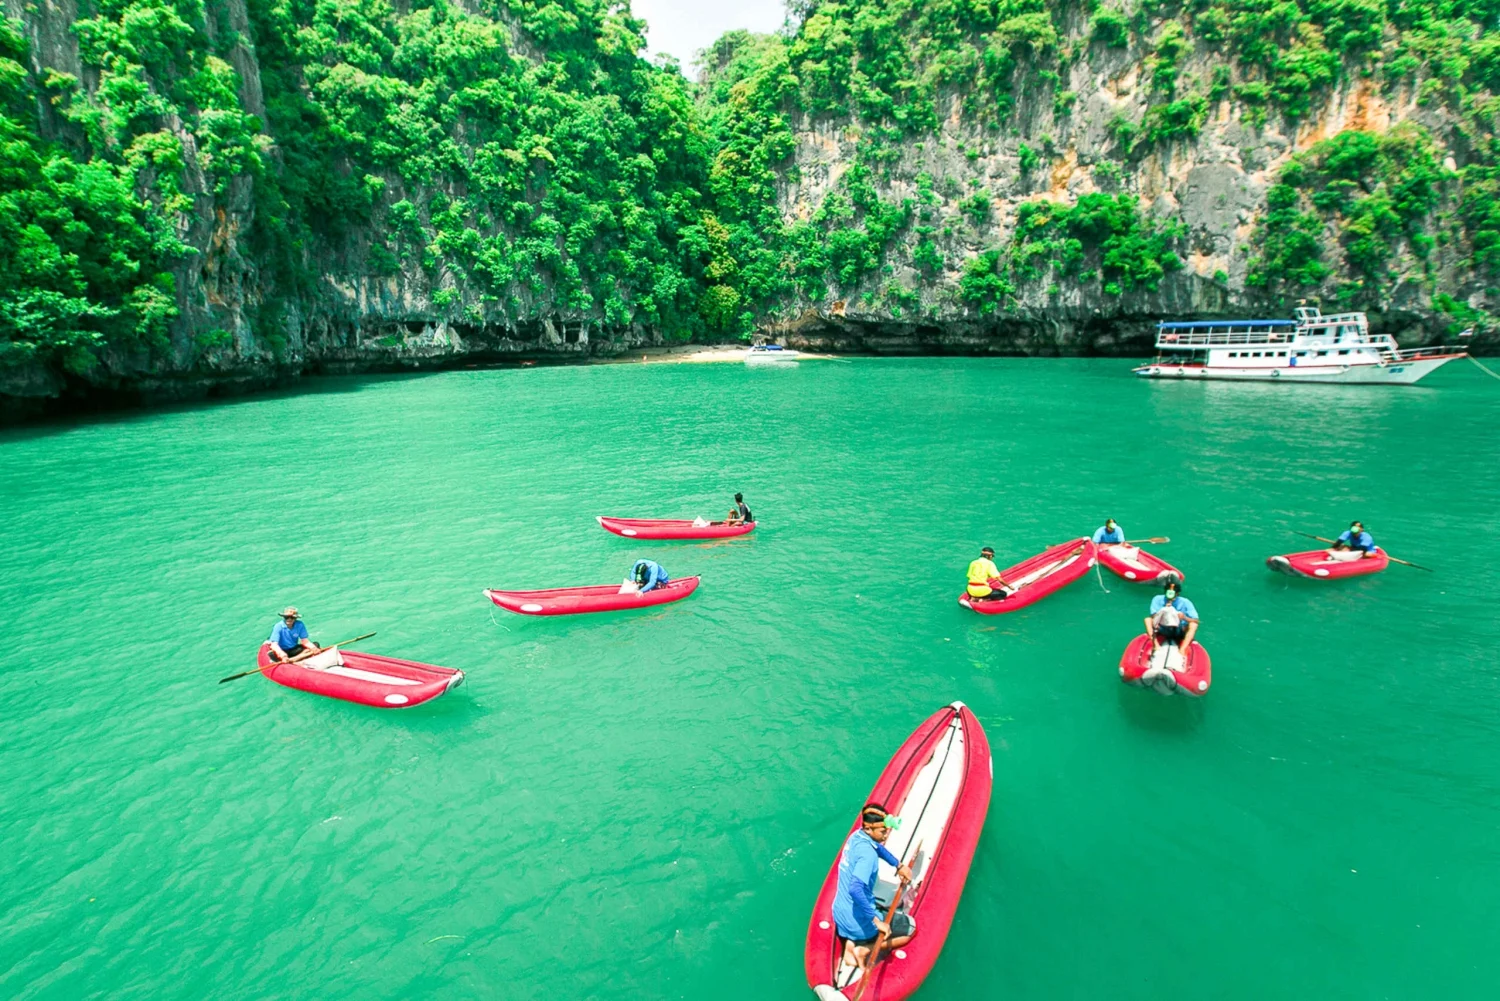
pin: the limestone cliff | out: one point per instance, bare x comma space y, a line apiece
320, 188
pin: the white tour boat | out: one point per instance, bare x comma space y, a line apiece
1311, 348
770, 354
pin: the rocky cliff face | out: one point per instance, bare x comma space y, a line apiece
348, 195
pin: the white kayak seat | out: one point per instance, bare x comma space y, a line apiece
323, 660
700, 522
1345, 555
628, 586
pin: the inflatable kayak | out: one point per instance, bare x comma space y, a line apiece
664, 528
1136, 564
365, 678
1161, 667
1322, 563
1039, 576
939, 784
596, 598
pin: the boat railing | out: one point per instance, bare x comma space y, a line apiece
1225, 338
1417, 354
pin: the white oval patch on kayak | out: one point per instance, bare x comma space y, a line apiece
1130, 575
1321, 573
899, 954
1202, 686
531, 606
397, 700
823, 925
627, 531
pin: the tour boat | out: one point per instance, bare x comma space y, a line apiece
1136, 564
665, 528
594, 598
1329, 563
939, 784
366, 678
770, 354
1037, 577
1310, 348
1161, 668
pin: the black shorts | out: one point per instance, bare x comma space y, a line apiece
902, 926
1172, 634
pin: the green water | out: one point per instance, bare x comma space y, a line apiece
644, 806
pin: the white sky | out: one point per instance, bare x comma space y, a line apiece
682, 27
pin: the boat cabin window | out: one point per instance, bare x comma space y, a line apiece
1344, 352
1322, 353
1281, 354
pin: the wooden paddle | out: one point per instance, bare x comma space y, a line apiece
300, 656
864, 981
1155, 540
1334, 542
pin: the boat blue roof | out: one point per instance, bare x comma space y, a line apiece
1201, 324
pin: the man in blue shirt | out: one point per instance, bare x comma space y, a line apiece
1173, 618
1110, 535
289, 638
649, 576
854, 911
1356, 538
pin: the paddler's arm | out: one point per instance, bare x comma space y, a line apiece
904, 871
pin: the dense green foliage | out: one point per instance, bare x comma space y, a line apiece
521, 160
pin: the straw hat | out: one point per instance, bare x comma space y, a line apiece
292, 611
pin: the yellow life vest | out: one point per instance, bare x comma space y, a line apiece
980, 572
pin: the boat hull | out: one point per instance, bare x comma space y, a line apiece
664, 528
367, 679
1402, 373
1315, 564
1136, 564
1168, 675
594, 598
944, 766
1072, 560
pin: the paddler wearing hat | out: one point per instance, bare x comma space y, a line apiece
985, 582
854, 911
1173, 618
289, 637
1110, 535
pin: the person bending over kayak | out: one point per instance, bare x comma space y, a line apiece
854, 911
740, 513
1355, 539
985, 582
1110, 535
648, 576
1173, 618
289, 637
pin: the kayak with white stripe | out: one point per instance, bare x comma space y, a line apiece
365, 678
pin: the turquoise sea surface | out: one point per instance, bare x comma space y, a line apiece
645, 805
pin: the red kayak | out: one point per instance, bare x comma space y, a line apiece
939, 784
1161, 667
1136, 564
1319, 563
595, 598
1039, 576
666, 528
370, 680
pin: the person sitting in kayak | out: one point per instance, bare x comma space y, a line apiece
289, 638
1173, 618
740, 513
1354, 540
648, 576
854, 911
985, 582
1110, 535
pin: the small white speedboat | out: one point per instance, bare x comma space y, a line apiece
770, 354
